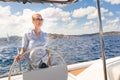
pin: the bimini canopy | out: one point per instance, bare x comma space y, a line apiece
43, 1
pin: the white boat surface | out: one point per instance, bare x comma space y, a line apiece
91, 70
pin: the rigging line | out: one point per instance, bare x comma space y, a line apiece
101, 39
20, 67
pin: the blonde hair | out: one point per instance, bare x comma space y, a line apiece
37, 14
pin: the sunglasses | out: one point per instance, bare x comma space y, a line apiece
38, 19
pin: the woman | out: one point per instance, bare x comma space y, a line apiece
35, 38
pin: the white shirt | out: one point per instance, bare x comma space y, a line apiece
31, 41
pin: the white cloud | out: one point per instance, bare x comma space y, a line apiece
17, 23
55, 14
90, 12
109, 28
14, 24
112, 25
113, 1
82, 30
106, 12
4, 11
89, 30
71, 24
113, 21
90, 27
85, 12
56, 18
89, 23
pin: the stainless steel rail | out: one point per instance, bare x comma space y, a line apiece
101, 39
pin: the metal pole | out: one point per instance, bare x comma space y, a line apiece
101, 39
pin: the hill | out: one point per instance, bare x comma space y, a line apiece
54, 36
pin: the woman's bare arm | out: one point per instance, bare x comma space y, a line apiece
22, 51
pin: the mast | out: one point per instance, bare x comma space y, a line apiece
101, 39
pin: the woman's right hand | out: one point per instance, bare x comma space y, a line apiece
18, 57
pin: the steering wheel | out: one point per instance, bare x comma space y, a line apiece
55, 56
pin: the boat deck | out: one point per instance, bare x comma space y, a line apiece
77, 71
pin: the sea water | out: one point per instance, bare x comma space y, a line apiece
73, 50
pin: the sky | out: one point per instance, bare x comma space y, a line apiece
73, 19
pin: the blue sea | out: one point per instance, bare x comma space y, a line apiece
73, 50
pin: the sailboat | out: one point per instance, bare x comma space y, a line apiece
100, 69
8, 38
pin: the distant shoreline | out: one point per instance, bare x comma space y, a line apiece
56, 36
